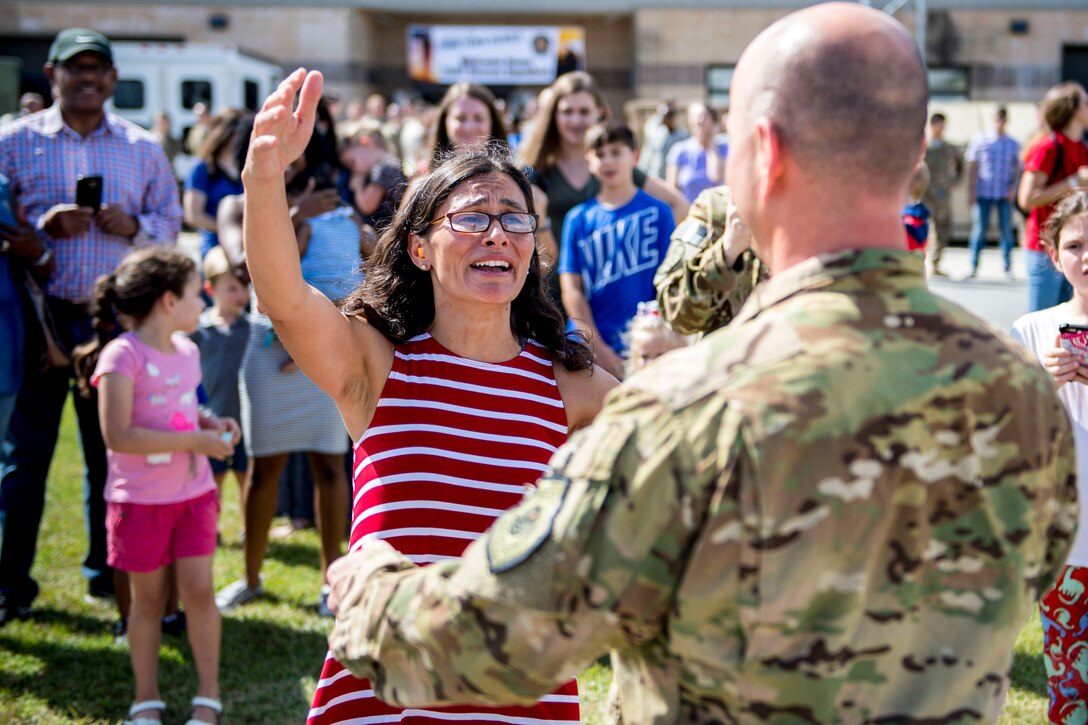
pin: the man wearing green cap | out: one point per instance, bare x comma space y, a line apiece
43, 155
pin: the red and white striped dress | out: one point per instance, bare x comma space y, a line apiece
453, 443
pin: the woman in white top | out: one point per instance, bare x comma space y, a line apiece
1064, 609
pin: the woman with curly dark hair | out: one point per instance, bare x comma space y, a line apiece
449, 363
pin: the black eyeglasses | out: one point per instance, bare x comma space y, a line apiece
97, 69
512, 222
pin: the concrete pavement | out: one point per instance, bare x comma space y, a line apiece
990, 295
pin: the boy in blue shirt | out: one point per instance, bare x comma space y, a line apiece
612, 245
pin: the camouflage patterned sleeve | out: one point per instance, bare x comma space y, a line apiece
585, 564
697, 289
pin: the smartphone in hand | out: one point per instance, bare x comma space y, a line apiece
89, 191
1074, 338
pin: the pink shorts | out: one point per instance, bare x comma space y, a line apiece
146, 537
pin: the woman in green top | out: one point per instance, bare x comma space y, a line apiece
556, 152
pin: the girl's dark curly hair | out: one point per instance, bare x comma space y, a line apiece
397, 297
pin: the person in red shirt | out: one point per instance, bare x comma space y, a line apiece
1054, 166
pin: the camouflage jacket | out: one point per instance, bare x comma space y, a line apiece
839, 509
945, 163
697, 289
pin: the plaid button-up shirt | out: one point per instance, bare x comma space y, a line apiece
998, 159
42, 157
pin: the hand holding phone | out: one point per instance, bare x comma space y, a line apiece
114, 220
1074, 338
89, 192
67, 220
1068, 359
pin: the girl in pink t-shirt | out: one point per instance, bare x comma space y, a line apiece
161, 500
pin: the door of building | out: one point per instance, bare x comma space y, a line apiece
1075, 64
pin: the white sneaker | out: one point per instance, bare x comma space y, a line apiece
323, 603
237, 594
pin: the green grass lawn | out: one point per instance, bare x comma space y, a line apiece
62, 665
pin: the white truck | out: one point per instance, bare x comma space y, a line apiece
174, 77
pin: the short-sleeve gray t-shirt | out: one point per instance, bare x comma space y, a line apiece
221, 353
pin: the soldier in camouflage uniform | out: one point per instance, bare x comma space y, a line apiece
839, 508
709, 270
945, 164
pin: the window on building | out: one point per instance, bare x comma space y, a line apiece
1075, 63
251, 92
719, 79
194, 92
949, 84
129, 94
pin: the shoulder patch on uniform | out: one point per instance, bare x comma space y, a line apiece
523, 529
691, 231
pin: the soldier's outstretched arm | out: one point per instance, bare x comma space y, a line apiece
708, 272
587, 563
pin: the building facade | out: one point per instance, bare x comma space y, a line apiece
991, 50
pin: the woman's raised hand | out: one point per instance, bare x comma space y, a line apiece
281, 130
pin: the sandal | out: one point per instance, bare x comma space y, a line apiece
208, 702
141, 707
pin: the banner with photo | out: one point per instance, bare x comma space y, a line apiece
494, 54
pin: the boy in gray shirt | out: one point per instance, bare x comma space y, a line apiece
222, 337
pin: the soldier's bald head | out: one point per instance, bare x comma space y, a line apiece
846, 88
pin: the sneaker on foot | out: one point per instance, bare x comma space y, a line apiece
174, 624
323, 603
10, 610
237, 594
100, 590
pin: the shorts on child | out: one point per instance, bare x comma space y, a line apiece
236, 461
1064, 611
144, 537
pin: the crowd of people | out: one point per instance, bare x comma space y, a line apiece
1005, 178
816, 503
